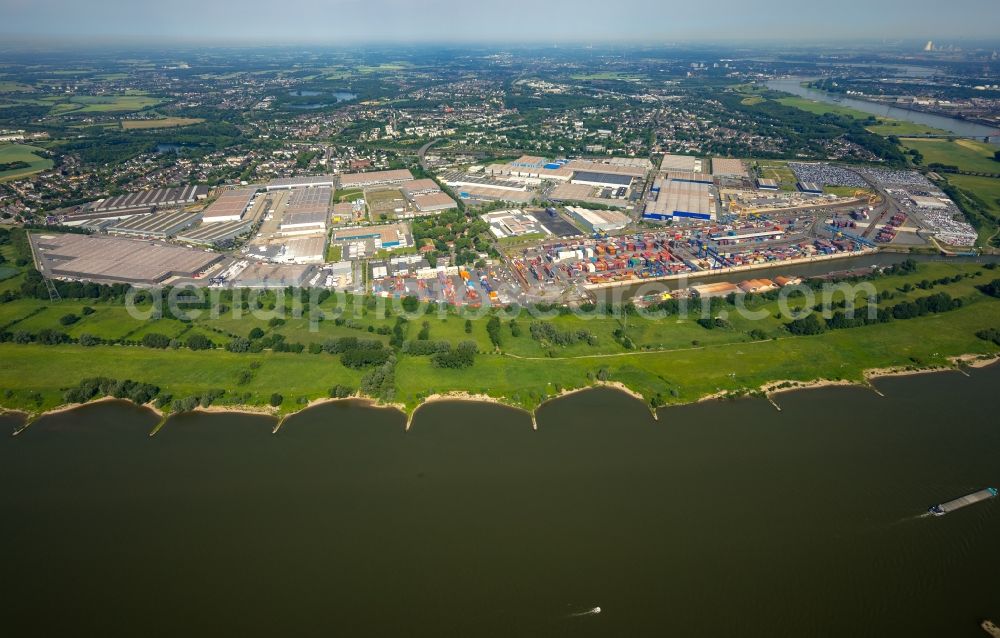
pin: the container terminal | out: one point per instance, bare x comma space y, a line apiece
959, 503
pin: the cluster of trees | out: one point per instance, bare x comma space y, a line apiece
33, 287
162, 342
424, 348
803, 131
711, 323
493, 328
140, 393
258, 342
45, 337
462, 356
359, 358
340, 391
932, 304
992, 289
381, 381
545, 332
204, 399
990, 334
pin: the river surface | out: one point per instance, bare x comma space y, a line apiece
719, 519
958, 127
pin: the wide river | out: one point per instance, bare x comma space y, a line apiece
953, 125
719, 519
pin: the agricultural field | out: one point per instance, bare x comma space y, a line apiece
967, 155
14, 153
113, 103
165, 122
9, 86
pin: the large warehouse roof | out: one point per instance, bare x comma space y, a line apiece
349, 180
301, 182
158, 197
310, 199
230, 205
433, 201
684, 199
160, 224
209, 234
635, 170
304, 218
609, 179
680, 163
728, 167
125, 260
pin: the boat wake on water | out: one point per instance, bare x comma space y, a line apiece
590, 612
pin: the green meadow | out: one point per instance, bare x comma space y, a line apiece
667, 360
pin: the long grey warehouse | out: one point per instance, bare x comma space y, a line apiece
112, 259
159, 197
218, 232
159, 225
301, 182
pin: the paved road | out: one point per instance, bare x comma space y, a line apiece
422, 153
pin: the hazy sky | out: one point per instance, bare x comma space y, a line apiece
504, 20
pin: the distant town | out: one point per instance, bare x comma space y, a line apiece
486, 181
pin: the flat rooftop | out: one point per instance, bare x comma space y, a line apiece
231, 203
728, 167
634, 169
159, 223
493, 193
349, 180
681, 163
301, 182
686, 176
262, 275
415, 186
158, 197
684, 197
122, 260
512, 223
211, 233
433, 201
304, 218
319, 194
387, 234
611, 179
305, 249
600, 217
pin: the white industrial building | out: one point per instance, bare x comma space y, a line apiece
690, 200
680, 163
303, 250
288, 183
599, 221
230, 206
304, 223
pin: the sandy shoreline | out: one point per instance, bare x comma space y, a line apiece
768, 390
